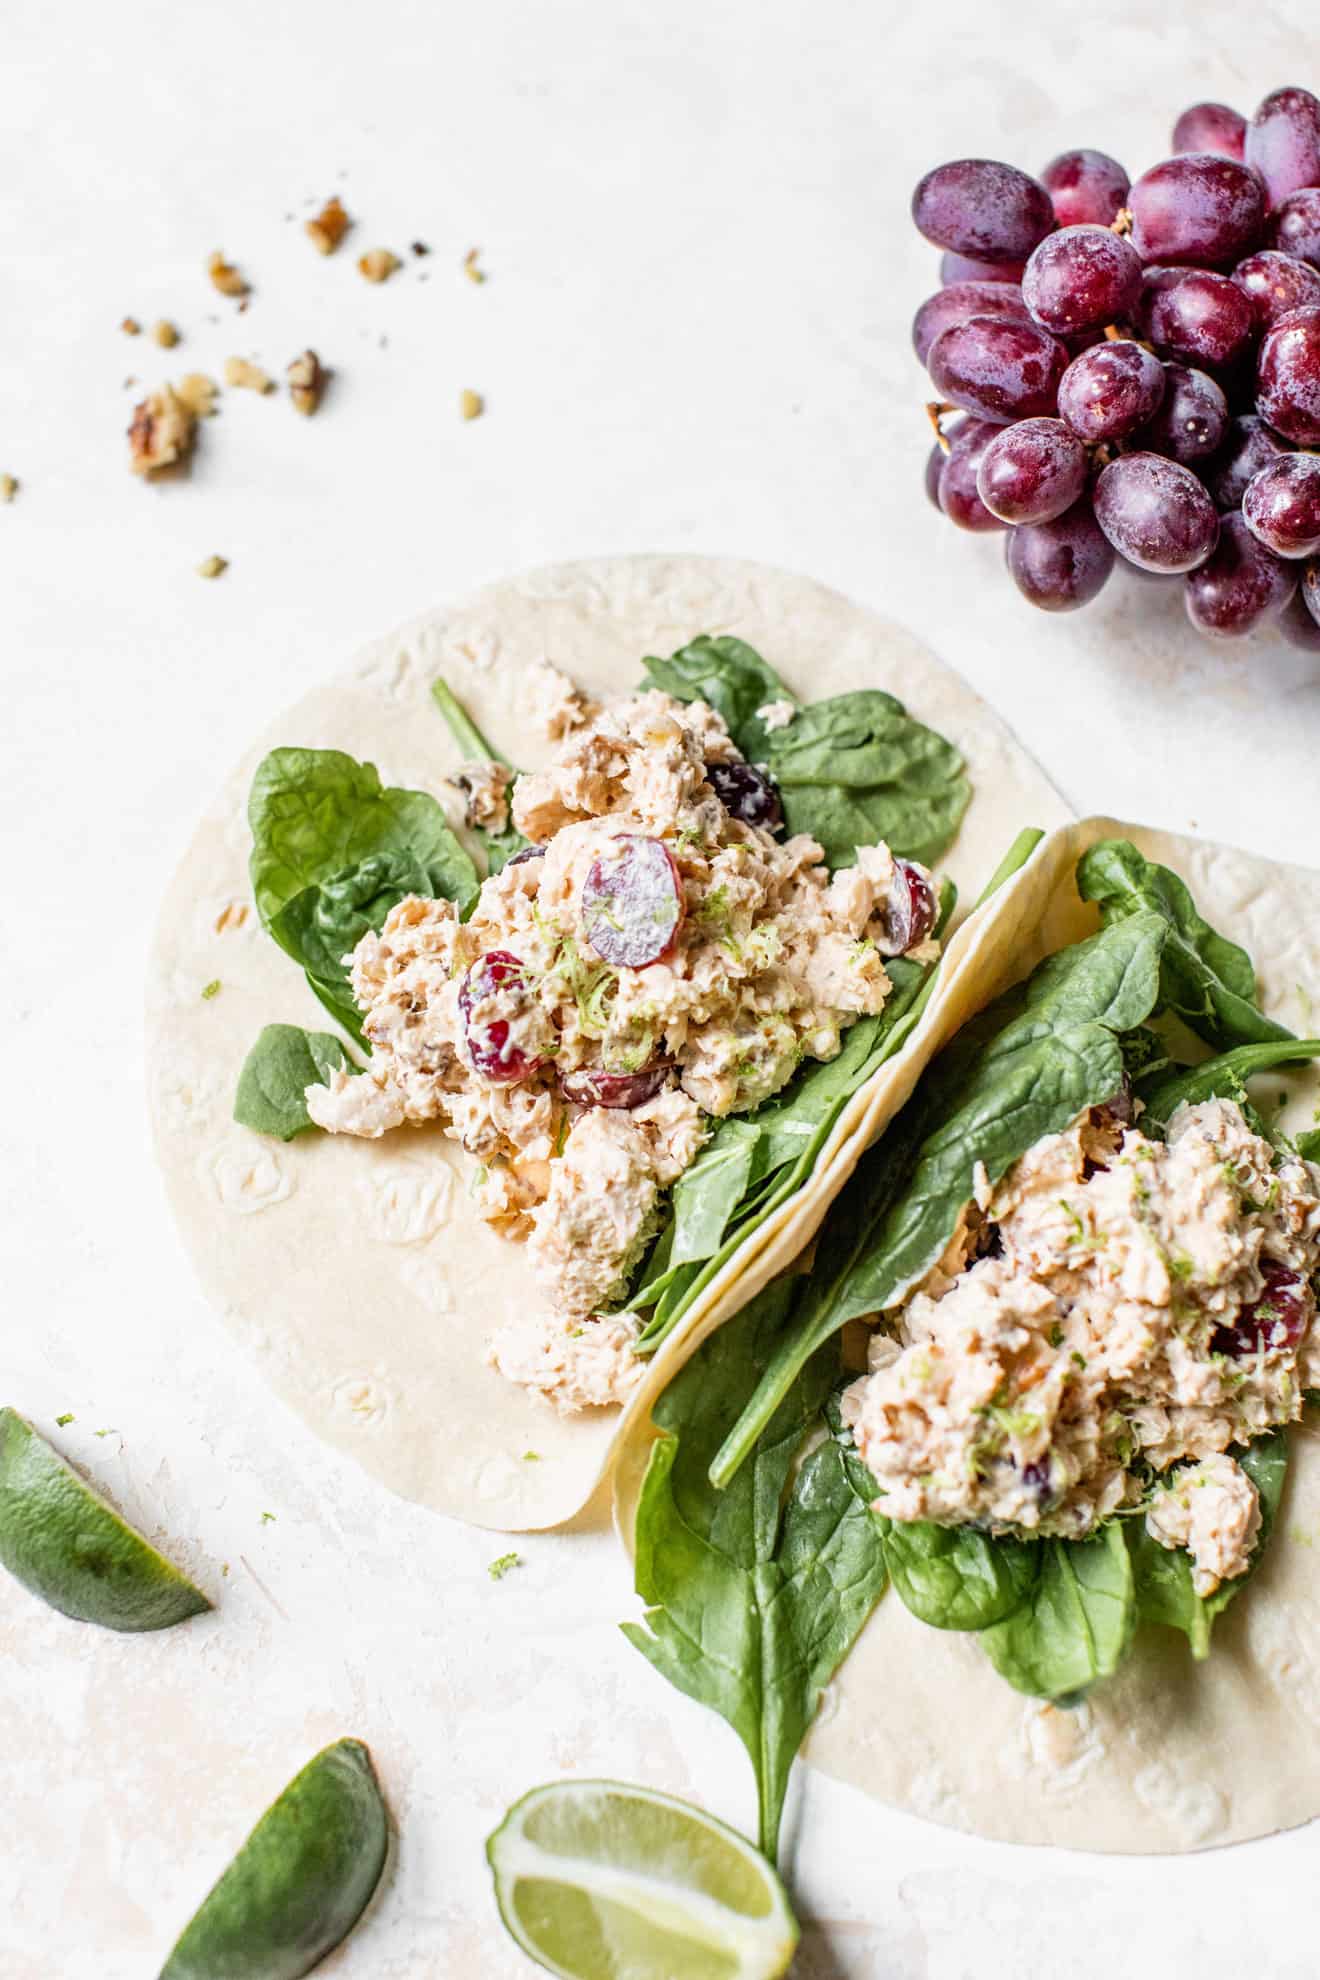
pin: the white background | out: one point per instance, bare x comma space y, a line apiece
694, 336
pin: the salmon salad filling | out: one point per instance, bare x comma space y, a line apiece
655, 957
1109, 1322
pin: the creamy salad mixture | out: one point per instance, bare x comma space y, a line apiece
656, 958
1113, 1307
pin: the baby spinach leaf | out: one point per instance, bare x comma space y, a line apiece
1208, 980
499, 847
272, 1086
708, 1193
1221, 1078
1308, 1145
730, 675
754, 1595
1076, 1623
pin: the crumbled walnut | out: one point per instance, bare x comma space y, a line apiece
420, 248
225, 276
199, 393
329, 227
470, 267
8, 487
378, 264
240, 371
306, 381
130, 326
212, 567
162, 432
471, 405
165, 334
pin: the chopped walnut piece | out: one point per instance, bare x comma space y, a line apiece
8, 487
471, 405
165, 333
225, 277
470, 267
130, 326
420, 248
306, 381
327, 230
240, 371
378, 264
199, 393
212, 567
162, 431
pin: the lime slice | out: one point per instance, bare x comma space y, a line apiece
62, 1540
300, 1882
600, 1881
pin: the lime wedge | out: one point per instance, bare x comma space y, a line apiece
62, 1540
600, 1881
300, 1882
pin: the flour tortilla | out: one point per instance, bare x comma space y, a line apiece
359, 1272
1169, 1755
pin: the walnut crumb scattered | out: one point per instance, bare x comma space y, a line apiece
199, 393
162, 431
240, 371
8, 487
165, 333
471, 405
306, 381
130, 326
327, 230
225, 277
378, 264
212, 567
471, 269
420, 248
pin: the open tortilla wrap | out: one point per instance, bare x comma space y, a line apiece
360, 1272
1169, 1754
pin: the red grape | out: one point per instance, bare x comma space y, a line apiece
1085, 186
1278, 1319
1192, 419
1195, 315
997, 369
962, 300
1298, 624
967, 268
959, 498
494, 993
1295, 226
1032, 471
1239, 585
979, 207
1081, 278
1310, 590
594, 1087
1062, 564
1111, 390
1155, 513
1210, 127
934, 465
1281, 505
1249, 444
1288, 377
910, 910
1276, 283
1196, 208
1283, 142
632, 902
748, 793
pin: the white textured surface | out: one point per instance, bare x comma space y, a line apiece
694, 217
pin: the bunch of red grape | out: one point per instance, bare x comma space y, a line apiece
1136, 367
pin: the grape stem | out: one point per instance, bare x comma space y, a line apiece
1122, 221
935, 411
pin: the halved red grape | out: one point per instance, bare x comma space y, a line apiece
1192, 418
1195, 315
1032, 471
1248, 446
1196, 208
1283, 142
1155, 513
1288, 377
494, 994
1211, 127
959, 497
909, 913
1239, 586
980, 207
1060, 565
1081, 278
970, 268
746, 792
1275, 1322
960, 301
632, 902
1298, 624
1294, 227
1276, 283
1085, 187
527, 852
1111, 390
996, 369
592, 1086
1281, 505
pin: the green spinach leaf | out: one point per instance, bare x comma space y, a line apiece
499, 847
1208, 980
731, 676
283, 1063
1221, 1078
1308, 1144
1076, 1623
